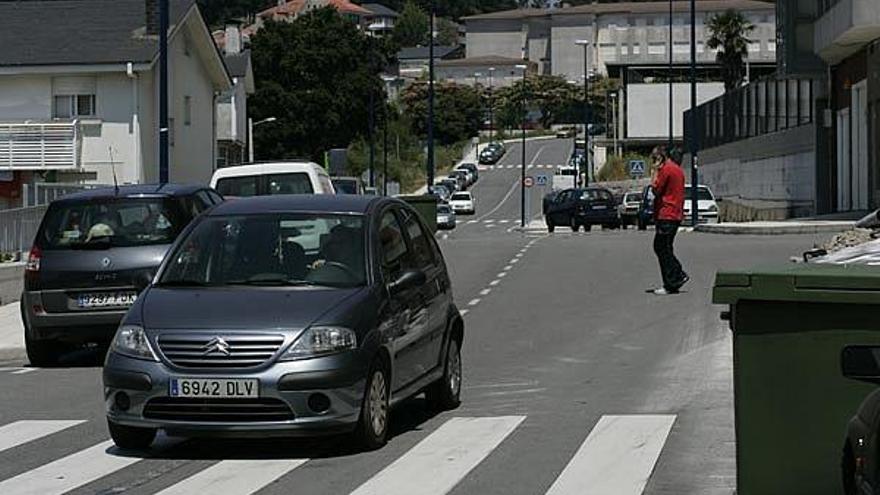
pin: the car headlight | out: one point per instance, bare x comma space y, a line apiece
131, 340
713, 208
321, 341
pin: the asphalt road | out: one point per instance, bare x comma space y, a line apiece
576, 381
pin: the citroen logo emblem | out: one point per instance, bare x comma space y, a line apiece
105, 262
217, 344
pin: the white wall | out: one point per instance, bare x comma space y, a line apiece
647, 107
111, 128
25, 97
502, 38
567, 57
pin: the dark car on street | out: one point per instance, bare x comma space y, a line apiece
491, 153
582, 207
347, 185
440, 191
93, 253
452, 184
860, 461
645, 214
248, 330
462, 177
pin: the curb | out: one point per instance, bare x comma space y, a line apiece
780, 228
12, 353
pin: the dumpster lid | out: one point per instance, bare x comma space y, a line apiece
800, 282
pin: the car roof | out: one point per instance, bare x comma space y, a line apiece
267, 168
134, 190
317, 203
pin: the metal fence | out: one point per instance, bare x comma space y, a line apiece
18, 227
50, 145
43, 193
759, 108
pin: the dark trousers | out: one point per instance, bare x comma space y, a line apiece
670, 268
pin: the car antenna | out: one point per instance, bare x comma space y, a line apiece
113, 168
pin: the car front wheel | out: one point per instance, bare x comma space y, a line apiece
574, 225
42, 353
445, 394
372, 429
131, 437
550, 226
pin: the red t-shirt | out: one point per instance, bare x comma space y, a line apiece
669, 192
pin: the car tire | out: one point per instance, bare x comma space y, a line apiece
550, 226
41, 353
445, 393
642, 225
848, 471
588, 228
574, 225
372, 429
131, 437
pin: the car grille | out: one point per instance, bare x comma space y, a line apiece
219, 351
218, 410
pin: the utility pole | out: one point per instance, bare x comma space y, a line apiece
491, 103
431, 97
587, 158
692, 139
163, 92
522, 181
371, 124
671, 123
385, 152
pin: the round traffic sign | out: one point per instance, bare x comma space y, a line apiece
529, 181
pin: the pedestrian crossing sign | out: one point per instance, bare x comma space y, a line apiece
637, 168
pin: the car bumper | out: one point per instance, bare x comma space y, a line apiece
446, 225
341, 379
463, 210
598, 217
69, 326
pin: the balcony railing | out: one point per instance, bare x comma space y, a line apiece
39, 145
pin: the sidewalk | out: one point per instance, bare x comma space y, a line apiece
11, 332
778, 228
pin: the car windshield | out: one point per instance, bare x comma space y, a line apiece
290, 183
461, 197
111, 222
703, 194
444, 209
270, 249
345, 186
633, 198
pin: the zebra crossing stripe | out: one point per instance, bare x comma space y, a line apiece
21, 432
440, 461
67, 473
617, 457
234, 477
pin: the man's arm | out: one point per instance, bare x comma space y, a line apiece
660, 181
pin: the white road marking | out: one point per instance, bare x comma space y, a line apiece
518, 255
472, 221
474, 302
24, 371
514, 261
21, 432
494, 282
463, 312
488, 221
502, 275
503, 221
508, 267
440, 461
68, 473
485, 292
616, 458
234, 477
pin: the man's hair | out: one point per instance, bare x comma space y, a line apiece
674, 153
658, 153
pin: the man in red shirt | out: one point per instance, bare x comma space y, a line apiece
668, 188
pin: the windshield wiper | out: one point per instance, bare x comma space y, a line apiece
182, 283
270, 281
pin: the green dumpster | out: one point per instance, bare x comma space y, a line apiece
426, 205
792, 404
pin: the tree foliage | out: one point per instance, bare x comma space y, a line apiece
219, 12
557, 100
458, 110
315, 75
447, 32
411, 28
729, 34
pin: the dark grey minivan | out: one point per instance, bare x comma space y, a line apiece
93, 253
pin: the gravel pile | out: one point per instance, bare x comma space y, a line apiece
849, 238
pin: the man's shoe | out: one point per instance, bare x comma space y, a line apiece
684, 280
664, 292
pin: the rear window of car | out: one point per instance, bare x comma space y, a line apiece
114, 222
238, 186
444, 209
461, 196
345, 186
703, 194
293, 183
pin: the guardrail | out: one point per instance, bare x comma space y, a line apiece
18, 227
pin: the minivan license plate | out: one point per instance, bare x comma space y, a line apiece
106, 300
214, 388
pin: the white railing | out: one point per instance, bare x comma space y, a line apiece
39, 145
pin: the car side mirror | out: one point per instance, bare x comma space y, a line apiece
407, 280
861, 363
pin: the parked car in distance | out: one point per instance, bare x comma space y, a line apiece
469, 177
445, 217
565, 177
267, 179
93, 254
462, 177
472, 168
582, 207
565, 133
347, 185
440, 191
452, 184
292, 341
645, 215
462, 203
629, 208
707, 208
491, 153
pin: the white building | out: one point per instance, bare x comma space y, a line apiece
79, 93
232, 129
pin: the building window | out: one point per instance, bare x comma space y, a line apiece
624, 50
187, 110
771, 45
681, 48
755, 47
607, 51
656, 48
701, 47
650, 21
70, 106
636, 49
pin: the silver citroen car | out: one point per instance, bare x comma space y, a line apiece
287, 315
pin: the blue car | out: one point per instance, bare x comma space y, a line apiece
645, 216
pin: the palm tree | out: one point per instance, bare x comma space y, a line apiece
729, 34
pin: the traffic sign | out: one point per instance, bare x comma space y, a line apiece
637, 167
541, 180
529, 181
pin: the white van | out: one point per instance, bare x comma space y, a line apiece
264, 179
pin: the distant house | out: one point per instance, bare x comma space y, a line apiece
288, 11
232, 104
79, 93
381, 20
413, 60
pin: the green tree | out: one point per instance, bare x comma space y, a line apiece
315, 75
447, 32
557, 101
457, 110
729, 34
411, 28
219, 12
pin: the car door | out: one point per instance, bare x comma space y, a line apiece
560, 207
433, 294
402, 317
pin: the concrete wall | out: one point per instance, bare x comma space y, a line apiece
567, 58
25, 97
113, 129
764, 178
502, 38
647, 107
231, 113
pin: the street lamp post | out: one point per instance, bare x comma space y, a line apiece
477, 76
251, 125
372, 124
669, 143
163, 92
491, 103
522, 182
587, 147
574, 142
693, 117
430, 180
